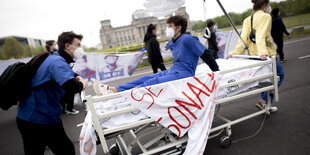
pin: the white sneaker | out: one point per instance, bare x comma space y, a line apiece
72, 112
273, 109
100, 89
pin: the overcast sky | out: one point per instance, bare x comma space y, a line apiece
44, 19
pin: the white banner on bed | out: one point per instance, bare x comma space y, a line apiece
176, 104
107, 67
180, 105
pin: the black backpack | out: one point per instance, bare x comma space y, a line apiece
15, 81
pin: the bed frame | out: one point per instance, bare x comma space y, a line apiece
166, 140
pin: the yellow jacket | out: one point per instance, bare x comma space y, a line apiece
262, 24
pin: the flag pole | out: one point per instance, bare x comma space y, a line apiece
233, 26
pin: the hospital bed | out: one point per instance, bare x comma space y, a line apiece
265, 80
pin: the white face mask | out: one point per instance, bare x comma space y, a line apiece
56, 47
269, 9
78, 53
170, 32
157, 33
215, 28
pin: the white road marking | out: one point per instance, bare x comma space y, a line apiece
296, 41
307, 56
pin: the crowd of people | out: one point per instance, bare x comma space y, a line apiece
55, 83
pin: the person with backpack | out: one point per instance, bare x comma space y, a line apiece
256, 34
153, 51
38, 115
211, 36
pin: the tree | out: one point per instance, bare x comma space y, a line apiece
39, 50
12, 48
29, 51
281, 5
91, 49
296, 7
2, 57
245, 14
288, 7
221, 21
199, 26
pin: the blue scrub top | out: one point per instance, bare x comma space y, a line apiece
43, 105
186, 51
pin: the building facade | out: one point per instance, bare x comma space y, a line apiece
134, 33
25, 41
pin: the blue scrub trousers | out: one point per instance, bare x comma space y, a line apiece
280, 73
148, 80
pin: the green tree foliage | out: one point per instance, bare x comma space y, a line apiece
296, 7
199, 26
91, 49
29, 51
38, 50
287, 8
245, 14
282, 6
12, 48
222, 20
2, 57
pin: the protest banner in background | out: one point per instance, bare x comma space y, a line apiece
226, 42
107, 67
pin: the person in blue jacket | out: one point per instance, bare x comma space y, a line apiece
186, 50
38, 116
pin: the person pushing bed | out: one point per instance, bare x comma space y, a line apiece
186, 50
259, 24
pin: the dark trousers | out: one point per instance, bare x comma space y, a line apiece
279, 43
37, 136
280, 73
214, 53
67, 99
157, 65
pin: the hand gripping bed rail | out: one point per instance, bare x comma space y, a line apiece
228, 123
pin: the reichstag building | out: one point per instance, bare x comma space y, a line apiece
134, 33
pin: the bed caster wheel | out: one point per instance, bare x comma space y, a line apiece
114, 149
225, 141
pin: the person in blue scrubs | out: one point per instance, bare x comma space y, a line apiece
38, 116
186, 50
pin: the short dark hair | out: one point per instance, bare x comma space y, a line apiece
275, 12
67, 37
258, 4
178, 21
48, 45
210, 23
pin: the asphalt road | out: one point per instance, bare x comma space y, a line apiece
285, 132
